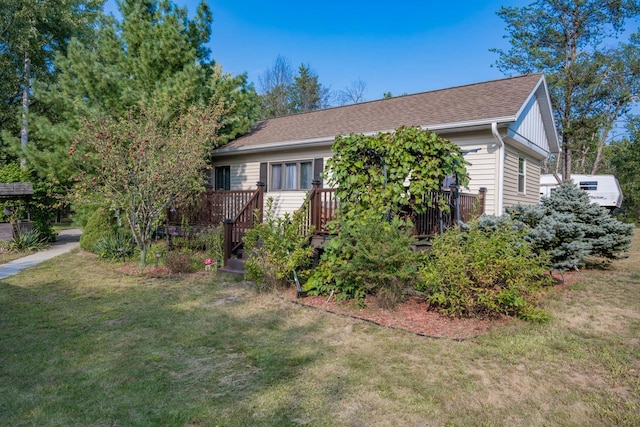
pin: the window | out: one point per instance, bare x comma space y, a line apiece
522, 175
292, 175
588, 185
222, 178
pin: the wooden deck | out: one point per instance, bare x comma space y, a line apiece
238, 211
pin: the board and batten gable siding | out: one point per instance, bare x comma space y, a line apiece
530, 125
531, 195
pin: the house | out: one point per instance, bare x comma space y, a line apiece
506, 126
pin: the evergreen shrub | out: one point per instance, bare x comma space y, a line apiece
100, 225
370, 255
571, 228
484, 270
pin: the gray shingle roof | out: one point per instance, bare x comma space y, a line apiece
496, 99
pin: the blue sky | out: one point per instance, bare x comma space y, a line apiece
393, 46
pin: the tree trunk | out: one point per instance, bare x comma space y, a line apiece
24, 131
566, 161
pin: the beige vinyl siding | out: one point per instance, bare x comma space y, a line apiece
483, 171
245, 173
512, 196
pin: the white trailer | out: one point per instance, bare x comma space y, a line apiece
602, 189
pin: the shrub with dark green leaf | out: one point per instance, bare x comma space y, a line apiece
100, 225
275, 248
369, 256
484, 271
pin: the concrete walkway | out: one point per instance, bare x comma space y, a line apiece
67, 241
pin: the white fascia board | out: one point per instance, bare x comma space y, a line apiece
535, 149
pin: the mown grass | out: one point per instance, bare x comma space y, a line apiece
82, 344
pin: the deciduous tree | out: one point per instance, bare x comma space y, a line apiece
147, 159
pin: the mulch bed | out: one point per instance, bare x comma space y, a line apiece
411, 315
414, 314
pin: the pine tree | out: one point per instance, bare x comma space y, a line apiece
571, 228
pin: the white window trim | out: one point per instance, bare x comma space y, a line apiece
283, 164
522, 174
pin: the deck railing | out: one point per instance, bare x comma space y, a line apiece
322, 208
323, 205
212, 208
236, 226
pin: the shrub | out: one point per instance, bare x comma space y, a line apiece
115, 246
483, 271
571, 228
369, 256
179, 261
275, 248
209, 240
28, 240
100, 225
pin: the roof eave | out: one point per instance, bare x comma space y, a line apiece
328, 140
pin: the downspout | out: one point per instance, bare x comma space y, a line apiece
496, 134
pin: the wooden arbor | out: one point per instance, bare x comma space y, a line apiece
14, 191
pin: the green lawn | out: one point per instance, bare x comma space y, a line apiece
82, 344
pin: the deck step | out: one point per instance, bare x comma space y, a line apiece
234, 265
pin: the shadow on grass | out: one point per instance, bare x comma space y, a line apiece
147, 353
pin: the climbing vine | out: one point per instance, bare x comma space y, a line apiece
384, 173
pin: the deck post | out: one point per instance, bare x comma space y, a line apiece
228, 239
483, 200
314, 204
260, 200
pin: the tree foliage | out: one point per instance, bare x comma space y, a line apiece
370, 172
285, 93
155, 53
624, 158
141, 163
571, 228
593, 79
36, 31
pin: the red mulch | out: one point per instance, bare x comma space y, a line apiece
412, 315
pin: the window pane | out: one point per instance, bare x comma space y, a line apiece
306, 172
276, 177
588, 185
223, 177
291, 181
